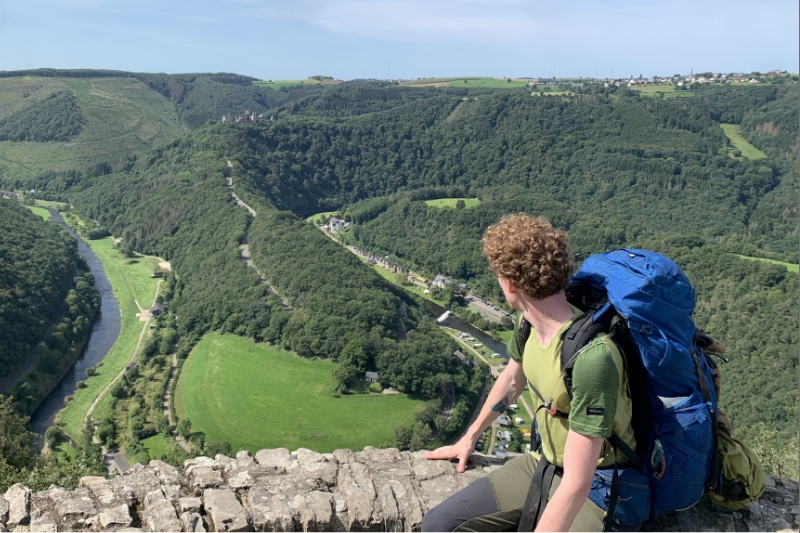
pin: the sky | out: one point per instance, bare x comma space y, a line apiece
402, 39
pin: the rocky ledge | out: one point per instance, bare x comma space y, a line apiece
278, 490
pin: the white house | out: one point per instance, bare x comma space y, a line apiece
335, 224
441, 281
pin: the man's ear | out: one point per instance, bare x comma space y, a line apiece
507, 285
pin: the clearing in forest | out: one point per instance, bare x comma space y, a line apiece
733, 132
451, 202
290, 83
257, 396
791, 267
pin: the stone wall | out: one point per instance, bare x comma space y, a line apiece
374, 489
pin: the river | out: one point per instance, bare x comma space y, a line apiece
104, 334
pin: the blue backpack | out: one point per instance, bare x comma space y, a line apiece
644, 302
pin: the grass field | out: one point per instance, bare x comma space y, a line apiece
285, 83
791, 267
732, 131
41, 211
313, 218
156, 446
46, 203
496, 83
121, 115
257, 396
451, 202
131, 282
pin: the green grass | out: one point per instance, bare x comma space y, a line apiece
732, 131
47, 203
285, 83
64, 448
505, 335
495, 83
156, 446
257, 396
131, 281
416, 289
41, 211
451, 202
121, 116
791, 267
313, 218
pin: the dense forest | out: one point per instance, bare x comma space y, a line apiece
56, 118
611, 166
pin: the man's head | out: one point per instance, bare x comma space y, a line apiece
530, 254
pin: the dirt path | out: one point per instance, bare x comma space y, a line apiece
165, 402
145, 327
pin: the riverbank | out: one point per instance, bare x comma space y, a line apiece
134, 289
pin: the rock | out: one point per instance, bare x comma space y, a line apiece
315, 510
244, 458
190, 505
42, 521
355, 497
115, 517
192, 522
203, 472
226, 513
74, 508
159, 514
100, 488
269, 508
3, 511
279, 458
19, 505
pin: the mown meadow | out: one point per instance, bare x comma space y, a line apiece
257, 396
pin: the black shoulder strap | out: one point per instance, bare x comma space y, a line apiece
579, 334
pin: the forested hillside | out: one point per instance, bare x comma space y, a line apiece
48, 302
612, 167
56, 118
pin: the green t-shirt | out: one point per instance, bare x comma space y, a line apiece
600, 403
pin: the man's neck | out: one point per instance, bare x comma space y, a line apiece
547, 315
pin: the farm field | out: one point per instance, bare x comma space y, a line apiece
451, 202
285, 83
732, 131
131, 282
496, 83
41, 211
791, 267
121, 116
257, 396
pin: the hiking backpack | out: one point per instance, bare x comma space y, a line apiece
644, 302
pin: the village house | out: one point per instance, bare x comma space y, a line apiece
157, 309
371, 377
335, 224
157, 274
441, 281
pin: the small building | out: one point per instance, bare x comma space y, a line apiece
502, 420
441, 281
157, 274
518, 420
157, 309
505, 435
130, 366
371, 377
335, 224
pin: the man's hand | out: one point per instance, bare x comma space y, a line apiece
461, 450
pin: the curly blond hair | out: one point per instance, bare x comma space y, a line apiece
530, 253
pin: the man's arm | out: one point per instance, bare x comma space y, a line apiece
580, 460
507, 388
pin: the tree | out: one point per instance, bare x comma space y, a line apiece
461, 204
16, 442
184, 428
420, 436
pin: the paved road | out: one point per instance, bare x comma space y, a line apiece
490, 314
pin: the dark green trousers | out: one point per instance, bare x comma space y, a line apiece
495, 503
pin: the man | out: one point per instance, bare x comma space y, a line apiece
533, 266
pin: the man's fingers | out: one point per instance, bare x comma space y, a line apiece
445, 452
462, 463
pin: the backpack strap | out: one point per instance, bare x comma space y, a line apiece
538, 493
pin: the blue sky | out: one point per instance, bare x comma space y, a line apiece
348, 39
